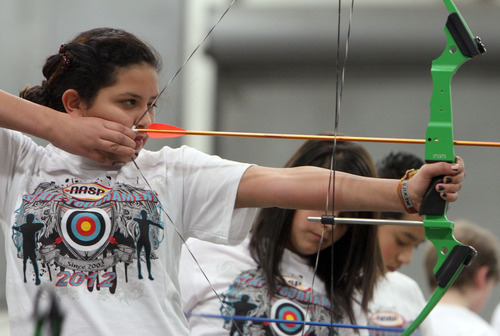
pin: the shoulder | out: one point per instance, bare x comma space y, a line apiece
446, 317
495, 319
401, 279
399, 282
9, 138
18, 148
398, 285
185, 156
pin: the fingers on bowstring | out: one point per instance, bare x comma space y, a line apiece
118, 147
123, 153
120, 134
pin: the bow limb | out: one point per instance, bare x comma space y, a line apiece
452, 256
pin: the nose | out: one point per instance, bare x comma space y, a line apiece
405, 256
145, 119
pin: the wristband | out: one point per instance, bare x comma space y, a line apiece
404, 196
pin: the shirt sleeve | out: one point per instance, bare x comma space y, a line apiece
210, 185
17, 152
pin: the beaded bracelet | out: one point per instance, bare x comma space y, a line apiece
404, 196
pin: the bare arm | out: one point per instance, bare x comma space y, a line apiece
100, 140
306, 188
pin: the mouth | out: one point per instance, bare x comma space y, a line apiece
316, 236
326, 239
140, 141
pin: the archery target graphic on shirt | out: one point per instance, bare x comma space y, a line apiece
287, 310
85, 230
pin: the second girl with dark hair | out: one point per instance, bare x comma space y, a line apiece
279, 258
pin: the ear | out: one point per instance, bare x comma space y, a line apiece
73, 103
481, 277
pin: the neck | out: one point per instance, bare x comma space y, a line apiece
459, 297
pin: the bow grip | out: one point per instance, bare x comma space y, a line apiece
432, 203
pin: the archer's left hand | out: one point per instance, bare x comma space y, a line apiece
454, 174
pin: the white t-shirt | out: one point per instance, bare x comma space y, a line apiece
495, 319
241, 286
397, 301
453, 320
83, 226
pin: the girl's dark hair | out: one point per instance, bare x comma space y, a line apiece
358, 262
395, 166
89, 63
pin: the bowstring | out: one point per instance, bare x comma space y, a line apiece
340, 66
174, 76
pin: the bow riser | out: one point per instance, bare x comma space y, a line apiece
439, 134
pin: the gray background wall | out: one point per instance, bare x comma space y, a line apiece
275, 72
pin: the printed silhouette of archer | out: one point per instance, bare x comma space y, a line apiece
29, 231
241, 308
143, 241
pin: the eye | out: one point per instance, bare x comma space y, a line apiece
129, 102
400, 242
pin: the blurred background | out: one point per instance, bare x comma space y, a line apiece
270, 66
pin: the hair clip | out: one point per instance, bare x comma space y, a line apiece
65, 61
62, 49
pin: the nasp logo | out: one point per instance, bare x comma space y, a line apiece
87, 191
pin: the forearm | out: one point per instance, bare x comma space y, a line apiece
308, 187
359, 193
21, 115
98, 139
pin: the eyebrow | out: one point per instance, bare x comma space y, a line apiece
135, 95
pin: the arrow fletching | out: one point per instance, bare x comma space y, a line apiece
158, 131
